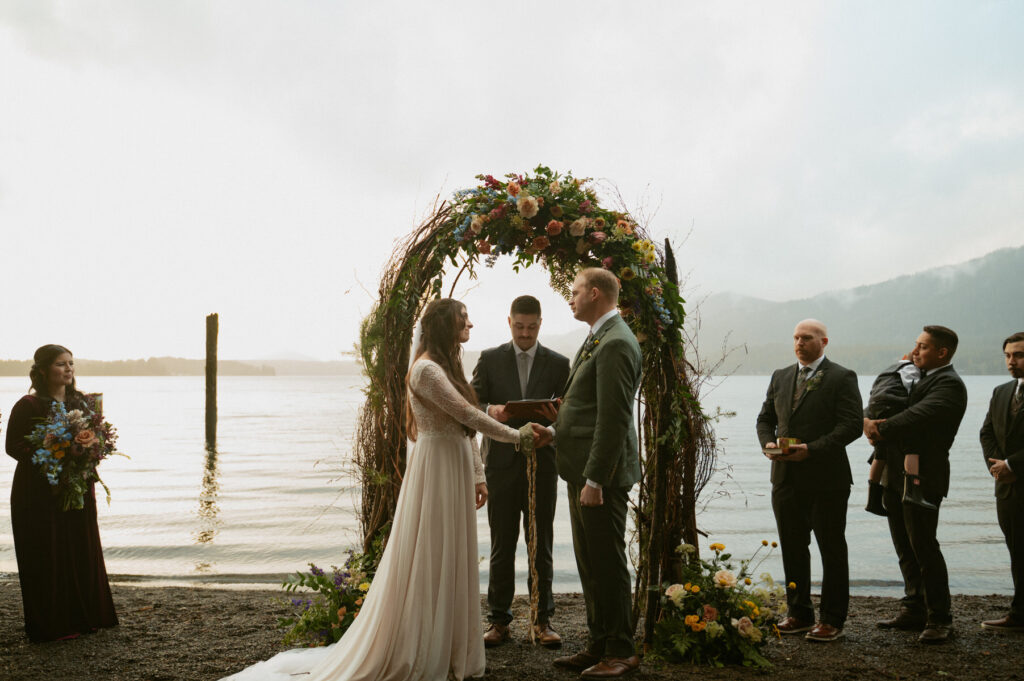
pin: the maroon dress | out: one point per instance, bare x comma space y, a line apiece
64, 586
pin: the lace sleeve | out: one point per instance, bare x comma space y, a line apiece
478, 463
431, 385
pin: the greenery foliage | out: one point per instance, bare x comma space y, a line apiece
326, 604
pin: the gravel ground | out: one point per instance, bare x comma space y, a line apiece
170, 633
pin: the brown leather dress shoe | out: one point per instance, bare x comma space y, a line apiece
824, 632
936, 633
580, 661
1008, 623
546, 636
792, 625
612, 668
905, 621
495, 635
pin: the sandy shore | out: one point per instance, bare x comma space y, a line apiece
201, 633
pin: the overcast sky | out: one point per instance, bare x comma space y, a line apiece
162, 160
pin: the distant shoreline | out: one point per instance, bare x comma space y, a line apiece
180, 366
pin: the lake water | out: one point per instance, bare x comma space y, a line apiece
279, 493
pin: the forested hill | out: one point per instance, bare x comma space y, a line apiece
870, 326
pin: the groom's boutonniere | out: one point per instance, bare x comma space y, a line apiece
815, 381
589, 348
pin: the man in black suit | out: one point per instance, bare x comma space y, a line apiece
817, 402
927, 428
1002, 444
519, 369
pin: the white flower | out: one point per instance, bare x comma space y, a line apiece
527, 205
578, 227
675, 593
724, 578
686, 549
747, 629
555, 188
477, 224
766, 577
715, 629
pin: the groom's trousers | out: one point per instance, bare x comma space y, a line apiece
599, 540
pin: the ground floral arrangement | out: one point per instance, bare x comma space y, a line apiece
719, 615
326, 604
69, 445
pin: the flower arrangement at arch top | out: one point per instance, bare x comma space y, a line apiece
69, 445
719, 614
559, 218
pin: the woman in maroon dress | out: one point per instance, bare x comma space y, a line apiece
64, 586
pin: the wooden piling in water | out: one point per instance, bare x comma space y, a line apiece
212, 326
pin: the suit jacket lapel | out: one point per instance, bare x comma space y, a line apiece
803, 396
608, 325
787, 387
540, 359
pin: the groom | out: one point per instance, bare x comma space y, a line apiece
597, 455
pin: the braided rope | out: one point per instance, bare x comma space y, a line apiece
530, 451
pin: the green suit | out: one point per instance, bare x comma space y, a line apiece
596, 440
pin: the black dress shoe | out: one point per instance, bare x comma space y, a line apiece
912, 493
905, 621
936, 633
875, 505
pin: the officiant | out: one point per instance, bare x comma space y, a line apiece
518, 370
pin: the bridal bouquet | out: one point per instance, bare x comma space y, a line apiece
69, 446
719, 615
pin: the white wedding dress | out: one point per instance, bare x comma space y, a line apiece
421, 617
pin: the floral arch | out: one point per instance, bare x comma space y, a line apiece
555, 220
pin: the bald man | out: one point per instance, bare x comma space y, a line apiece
817, 402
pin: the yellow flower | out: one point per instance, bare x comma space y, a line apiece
764, 542
691, 620
687, 586
626, 273
775, 544
747, 581
792, 585
365, 586
695, 589
717, 547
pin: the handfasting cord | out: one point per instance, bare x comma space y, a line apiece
530, 451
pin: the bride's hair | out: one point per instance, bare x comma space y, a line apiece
440, 328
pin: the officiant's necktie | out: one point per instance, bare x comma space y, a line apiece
524, 372
801, 384
1017, 404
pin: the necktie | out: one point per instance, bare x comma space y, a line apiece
524, 372
1018, 400
801, 383
583, 350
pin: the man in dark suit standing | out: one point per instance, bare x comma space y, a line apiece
1002, 444
598, 457
927, 428
817, 402
520, 369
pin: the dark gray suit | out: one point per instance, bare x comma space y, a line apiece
496, 381
1002, 437
811, 495
927, 428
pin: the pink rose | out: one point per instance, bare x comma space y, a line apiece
597, 237
585, 207
554, 228
85, 438
541, 242
607, 263
710, 613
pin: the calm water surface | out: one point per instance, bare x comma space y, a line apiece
279, 494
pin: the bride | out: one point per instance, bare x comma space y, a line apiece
421, 616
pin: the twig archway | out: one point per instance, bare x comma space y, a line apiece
555, 220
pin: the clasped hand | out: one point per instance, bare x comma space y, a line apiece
1000, 471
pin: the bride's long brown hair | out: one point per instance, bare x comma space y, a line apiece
440, 328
